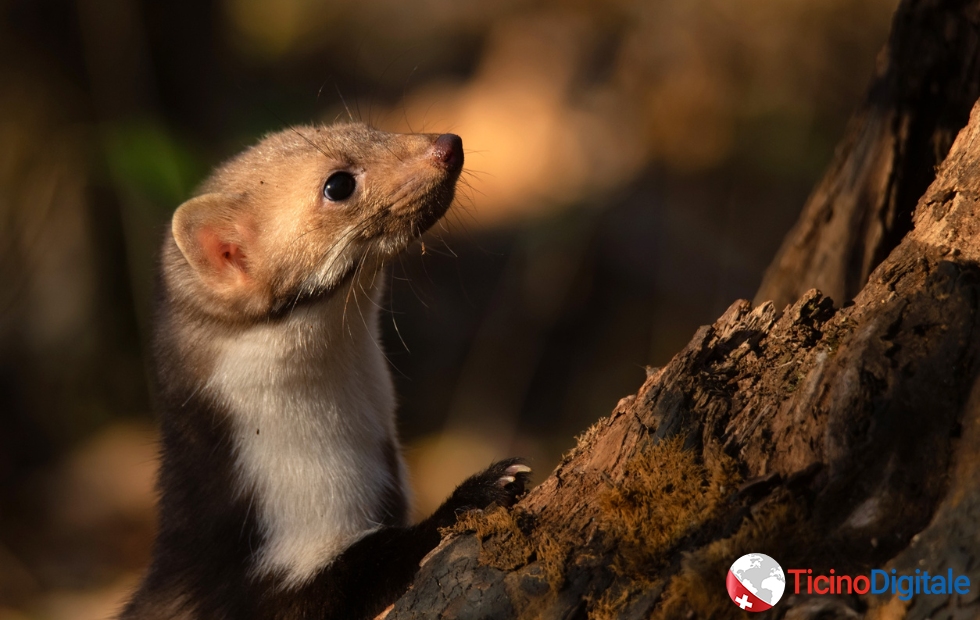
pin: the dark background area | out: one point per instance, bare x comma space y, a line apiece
632, 168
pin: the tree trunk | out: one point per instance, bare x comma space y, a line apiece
927, 80
828, 439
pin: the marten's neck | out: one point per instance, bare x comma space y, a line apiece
308, 410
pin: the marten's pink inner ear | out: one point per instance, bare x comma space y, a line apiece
212, 232
221, 252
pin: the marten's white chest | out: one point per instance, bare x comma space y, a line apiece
311, 407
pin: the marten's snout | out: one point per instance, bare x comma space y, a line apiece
447, 151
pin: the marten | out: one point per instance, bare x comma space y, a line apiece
282, 488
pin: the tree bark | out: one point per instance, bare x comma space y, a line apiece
844, 439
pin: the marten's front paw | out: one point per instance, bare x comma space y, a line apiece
503, 483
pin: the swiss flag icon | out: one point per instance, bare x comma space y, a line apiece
742, 596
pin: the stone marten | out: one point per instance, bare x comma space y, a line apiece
282, 485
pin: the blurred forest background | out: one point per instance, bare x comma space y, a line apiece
633, 166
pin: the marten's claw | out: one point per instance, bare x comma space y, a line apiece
503, 483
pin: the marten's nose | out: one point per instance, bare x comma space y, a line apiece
447, 151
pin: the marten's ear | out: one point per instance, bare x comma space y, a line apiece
215, 235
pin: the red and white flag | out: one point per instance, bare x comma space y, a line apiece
742, 596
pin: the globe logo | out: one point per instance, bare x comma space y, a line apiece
755, 582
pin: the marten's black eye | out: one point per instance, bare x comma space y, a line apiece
339, 186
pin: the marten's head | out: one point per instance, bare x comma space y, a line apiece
291, 219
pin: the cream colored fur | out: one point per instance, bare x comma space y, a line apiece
312, 404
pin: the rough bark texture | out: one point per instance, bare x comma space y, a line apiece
827, 438
844, 439
927, 80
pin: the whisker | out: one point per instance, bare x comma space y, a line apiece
411, 287
391, 310
350, 291
368, 329
344, 101
405, 96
